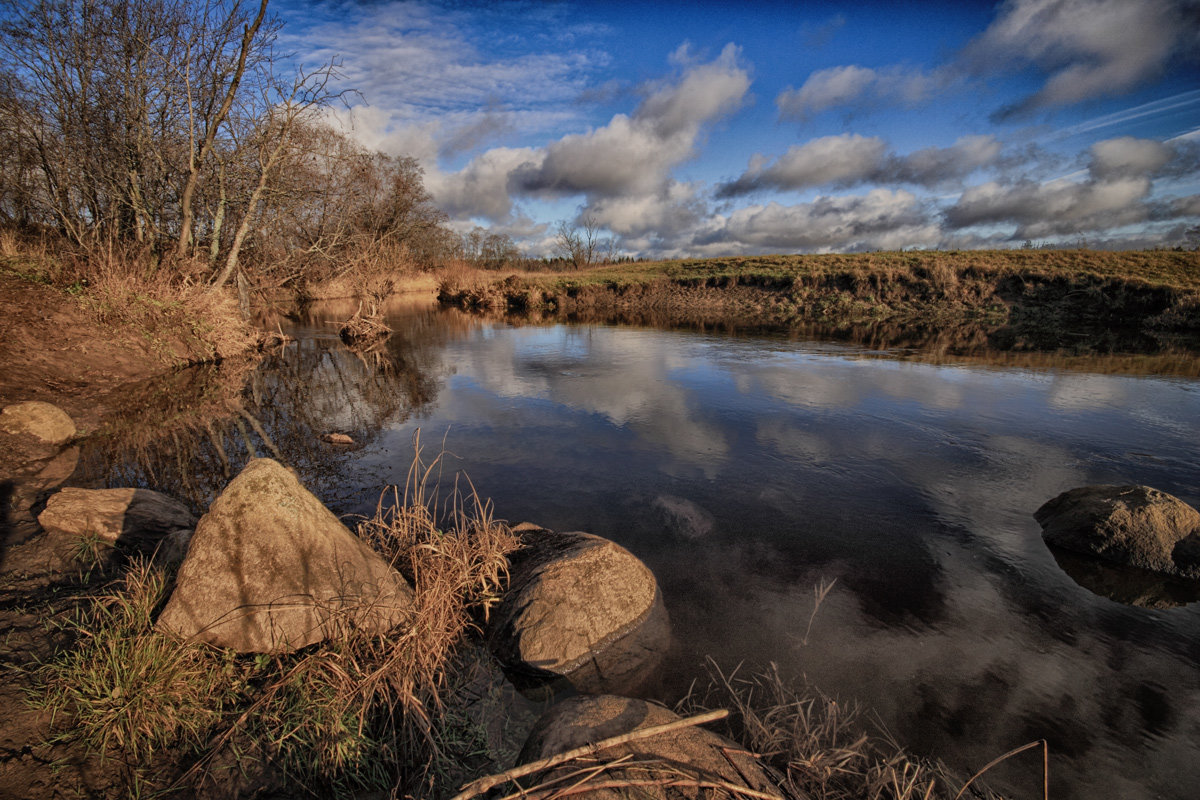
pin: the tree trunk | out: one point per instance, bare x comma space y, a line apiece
189, 188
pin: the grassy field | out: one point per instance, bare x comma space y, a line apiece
1177, 269
1039, 290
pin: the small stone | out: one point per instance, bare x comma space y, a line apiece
45, 422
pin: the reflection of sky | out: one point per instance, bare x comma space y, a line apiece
743, 471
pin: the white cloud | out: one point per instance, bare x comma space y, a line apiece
1126, 155
481, 189
824, 89
662, 215
880, 219
1115, 192
624, 166
1083, 48
850, 159
844, 85
634, 154
1087, 48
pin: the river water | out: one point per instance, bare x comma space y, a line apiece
747, 471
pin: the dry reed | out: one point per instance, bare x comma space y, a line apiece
821, 748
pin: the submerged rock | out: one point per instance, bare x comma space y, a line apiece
44, 428
270, 569
35, 456
1135, 526
1128, 585
688, 752
582, 608
135, 519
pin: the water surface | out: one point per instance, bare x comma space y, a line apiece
746, 471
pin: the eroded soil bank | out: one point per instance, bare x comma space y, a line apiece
1017, 300
54, 348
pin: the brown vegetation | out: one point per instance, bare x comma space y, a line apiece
172, 138
1036, 294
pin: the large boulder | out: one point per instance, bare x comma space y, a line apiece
579, 607
1134, 526
139, 520
687, 753
270, 570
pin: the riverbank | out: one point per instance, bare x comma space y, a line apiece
77, 346
1028, 298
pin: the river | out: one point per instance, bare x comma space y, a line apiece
750, 471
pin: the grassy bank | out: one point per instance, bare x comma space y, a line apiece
1035, 289
357, 713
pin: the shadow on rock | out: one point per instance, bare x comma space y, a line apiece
581, 613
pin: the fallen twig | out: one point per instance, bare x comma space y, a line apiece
478, 787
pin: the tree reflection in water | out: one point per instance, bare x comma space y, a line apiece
188, 433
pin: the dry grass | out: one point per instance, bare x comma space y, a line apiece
183, 320
130, 293
821, 748
1153, 289
358, 712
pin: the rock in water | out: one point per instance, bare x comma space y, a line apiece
270, 570
137, 519
34, 457
689, 752
46, 426
1135, 526
580, 607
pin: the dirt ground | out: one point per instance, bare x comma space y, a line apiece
51, 350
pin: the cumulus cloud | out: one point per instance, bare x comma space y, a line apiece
481, 189
839, 86
1087, 48
634, 154
880, 219
1115, 192
850, 159
662, 215
623, 167
1083, 49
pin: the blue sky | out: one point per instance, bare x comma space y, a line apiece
706, 128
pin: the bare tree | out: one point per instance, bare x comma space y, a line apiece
170, 127
210, 95
582, 244
286, 110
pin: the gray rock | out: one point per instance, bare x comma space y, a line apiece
270, 569
580, 607
1134, 526
689, 751
135, 519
